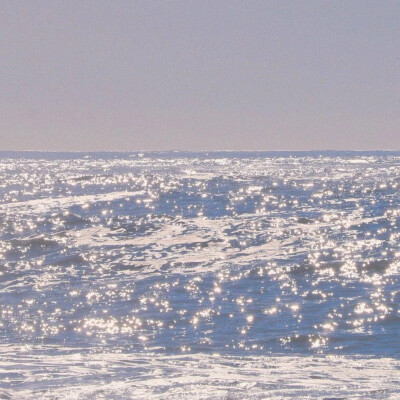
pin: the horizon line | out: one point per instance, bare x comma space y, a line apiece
202, 151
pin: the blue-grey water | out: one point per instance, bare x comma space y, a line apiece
200, 275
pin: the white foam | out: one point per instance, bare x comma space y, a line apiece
46, 204
44, 374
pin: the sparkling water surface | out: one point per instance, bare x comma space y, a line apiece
200, 275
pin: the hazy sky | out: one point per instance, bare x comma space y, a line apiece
199, 75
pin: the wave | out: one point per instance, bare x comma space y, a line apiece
71, 375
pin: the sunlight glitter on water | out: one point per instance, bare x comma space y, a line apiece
202, 253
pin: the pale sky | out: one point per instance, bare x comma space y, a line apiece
199, 75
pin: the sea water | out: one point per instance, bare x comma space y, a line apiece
212, 275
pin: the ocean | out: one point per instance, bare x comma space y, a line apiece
200, 275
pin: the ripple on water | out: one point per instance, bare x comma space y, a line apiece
244, 256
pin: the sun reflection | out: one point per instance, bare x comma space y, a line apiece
175, 253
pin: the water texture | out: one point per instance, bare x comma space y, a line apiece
200, 275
